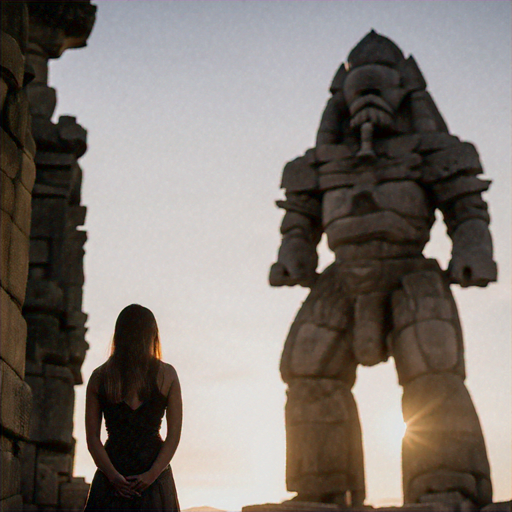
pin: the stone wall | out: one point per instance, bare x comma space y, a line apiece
56, 343
46, 348
17, 174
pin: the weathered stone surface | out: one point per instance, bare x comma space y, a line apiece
28, 170
16, 401
503, 506
73, 495
12, 504
44, 295
61, 463
10, 481
6, 225
43, 100
45, 341
48, 217
22, 208
314, 345
39, 251
46, 486
18, 263
10, 156
52, 414
302, 506
7, 192
28, 466
443, 481
13, 330
369, 329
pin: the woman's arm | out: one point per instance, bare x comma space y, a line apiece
174, 416
93, 419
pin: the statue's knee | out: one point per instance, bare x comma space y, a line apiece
426, 331
313, 351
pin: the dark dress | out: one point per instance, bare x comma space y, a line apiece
133, 444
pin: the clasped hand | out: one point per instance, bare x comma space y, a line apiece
131, 486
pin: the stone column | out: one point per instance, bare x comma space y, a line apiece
56, 343
17, 178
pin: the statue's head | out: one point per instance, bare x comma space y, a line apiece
374, 82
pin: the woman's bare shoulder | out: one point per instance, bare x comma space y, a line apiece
94, 379
168, 377
169, 371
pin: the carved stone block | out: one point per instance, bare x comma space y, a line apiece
61, 463
39, 251
48, 216
42, 98
28, 467
16, 401
10, 156
6, 225
73, 495
22, 208
7, 191
13, 329
18, 263
12, 504
46, 486
44, 295
45, 341
10, 481
28, 170
56, 424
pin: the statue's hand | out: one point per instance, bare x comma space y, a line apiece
472, 263
296, 264
472, 268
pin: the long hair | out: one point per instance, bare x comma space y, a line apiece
135, 348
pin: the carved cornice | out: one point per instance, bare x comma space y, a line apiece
59, 25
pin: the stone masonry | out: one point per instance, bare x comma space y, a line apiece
56, 343
17, 174
43, 350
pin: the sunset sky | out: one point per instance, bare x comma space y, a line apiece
192, 109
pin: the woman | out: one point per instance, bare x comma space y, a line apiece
133, 390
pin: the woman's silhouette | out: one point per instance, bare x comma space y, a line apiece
133, 390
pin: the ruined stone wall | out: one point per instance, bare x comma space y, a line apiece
47, 347
17, 175
56, 343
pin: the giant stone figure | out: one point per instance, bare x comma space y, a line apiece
384, 161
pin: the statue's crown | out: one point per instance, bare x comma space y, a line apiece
375, 49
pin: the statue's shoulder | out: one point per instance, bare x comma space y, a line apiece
446, 156
301, 174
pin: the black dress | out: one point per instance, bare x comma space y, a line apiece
133, 444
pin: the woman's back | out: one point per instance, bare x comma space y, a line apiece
134, 432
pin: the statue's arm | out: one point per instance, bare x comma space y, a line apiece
459, 196
301, 231
301, 228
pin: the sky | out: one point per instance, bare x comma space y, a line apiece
192, 109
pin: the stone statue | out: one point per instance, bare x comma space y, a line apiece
384, 161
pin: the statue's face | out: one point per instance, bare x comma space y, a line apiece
372, 93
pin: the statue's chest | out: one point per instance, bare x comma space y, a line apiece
352, 188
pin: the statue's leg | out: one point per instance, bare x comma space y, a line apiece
443, 452
324, 449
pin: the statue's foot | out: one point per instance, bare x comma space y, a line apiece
455, 499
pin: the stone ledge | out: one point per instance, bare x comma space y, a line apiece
290, 506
